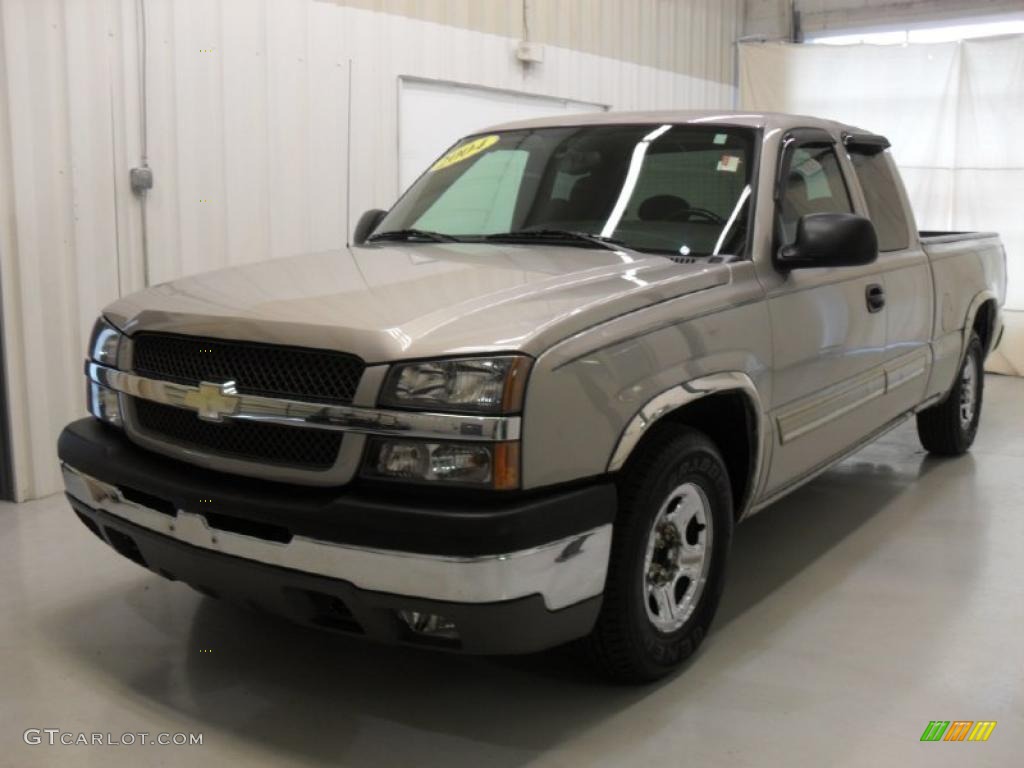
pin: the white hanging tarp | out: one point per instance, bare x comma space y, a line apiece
954, 113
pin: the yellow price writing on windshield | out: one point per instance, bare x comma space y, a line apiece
465, 151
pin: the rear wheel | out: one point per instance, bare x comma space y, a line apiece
667, 566
949, 428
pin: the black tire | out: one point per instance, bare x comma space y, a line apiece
941, 428
625, 645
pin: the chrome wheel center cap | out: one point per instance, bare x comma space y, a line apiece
664, 563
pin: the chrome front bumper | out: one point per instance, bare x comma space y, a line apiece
562, 572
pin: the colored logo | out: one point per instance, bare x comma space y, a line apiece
958, 730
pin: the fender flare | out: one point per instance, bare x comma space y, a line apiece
688, 392
972, 314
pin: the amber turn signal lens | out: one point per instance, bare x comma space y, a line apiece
515, 385
506, 466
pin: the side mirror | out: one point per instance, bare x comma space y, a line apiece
367, 223
830, 240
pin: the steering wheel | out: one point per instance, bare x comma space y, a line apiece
704, 213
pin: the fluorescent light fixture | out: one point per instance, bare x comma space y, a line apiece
930, 33
864, 38
965, 31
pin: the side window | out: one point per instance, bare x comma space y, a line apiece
813, 183
482, 200
881, 190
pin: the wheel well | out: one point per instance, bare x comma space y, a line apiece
984, 323
727, 418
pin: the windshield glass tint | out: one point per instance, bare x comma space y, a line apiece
679, 190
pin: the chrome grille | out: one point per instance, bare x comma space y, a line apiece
314, 449
270, 370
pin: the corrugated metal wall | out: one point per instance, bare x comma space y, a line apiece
64, 215
271, 125
691, 37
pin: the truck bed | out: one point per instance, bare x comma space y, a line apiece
929, 237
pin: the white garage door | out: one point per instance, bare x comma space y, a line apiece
432, 116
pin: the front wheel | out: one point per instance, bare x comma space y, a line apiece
667, 565
949, 428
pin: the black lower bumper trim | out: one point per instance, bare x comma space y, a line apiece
515, 626
410, 521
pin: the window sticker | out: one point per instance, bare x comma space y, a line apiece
809, 167
728, 163
464, 152
721, 138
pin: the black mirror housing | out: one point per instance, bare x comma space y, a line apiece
367, 223
830, 240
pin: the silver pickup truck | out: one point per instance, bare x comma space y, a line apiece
532, 401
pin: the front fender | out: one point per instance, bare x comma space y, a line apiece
584, 393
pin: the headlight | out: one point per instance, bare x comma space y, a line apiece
483, 465
104, 343
466, 385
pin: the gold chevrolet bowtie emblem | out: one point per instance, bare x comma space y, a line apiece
212, 402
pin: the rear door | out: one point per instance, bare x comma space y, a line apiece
903, 264
829, 345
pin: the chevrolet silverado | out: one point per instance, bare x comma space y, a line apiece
530, 403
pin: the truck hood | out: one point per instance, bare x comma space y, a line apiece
389, 302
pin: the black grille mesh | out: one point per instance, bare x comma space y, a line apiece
257, 369
273, 443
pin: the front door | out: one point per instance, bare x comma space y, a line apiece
829, 342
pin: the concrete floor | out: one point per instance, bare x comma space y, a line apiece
887, 593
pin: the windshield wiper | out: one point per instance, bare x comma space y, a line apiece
412, 234
557, 235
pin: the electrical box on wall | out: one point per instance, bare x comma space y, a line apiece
141, 179
530, 53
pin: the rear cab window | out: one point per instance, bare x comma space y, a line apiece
879, 183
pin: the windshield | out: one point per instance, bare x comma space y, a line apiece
677, 190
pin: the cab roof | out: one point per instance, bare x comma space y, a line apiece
762, 120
